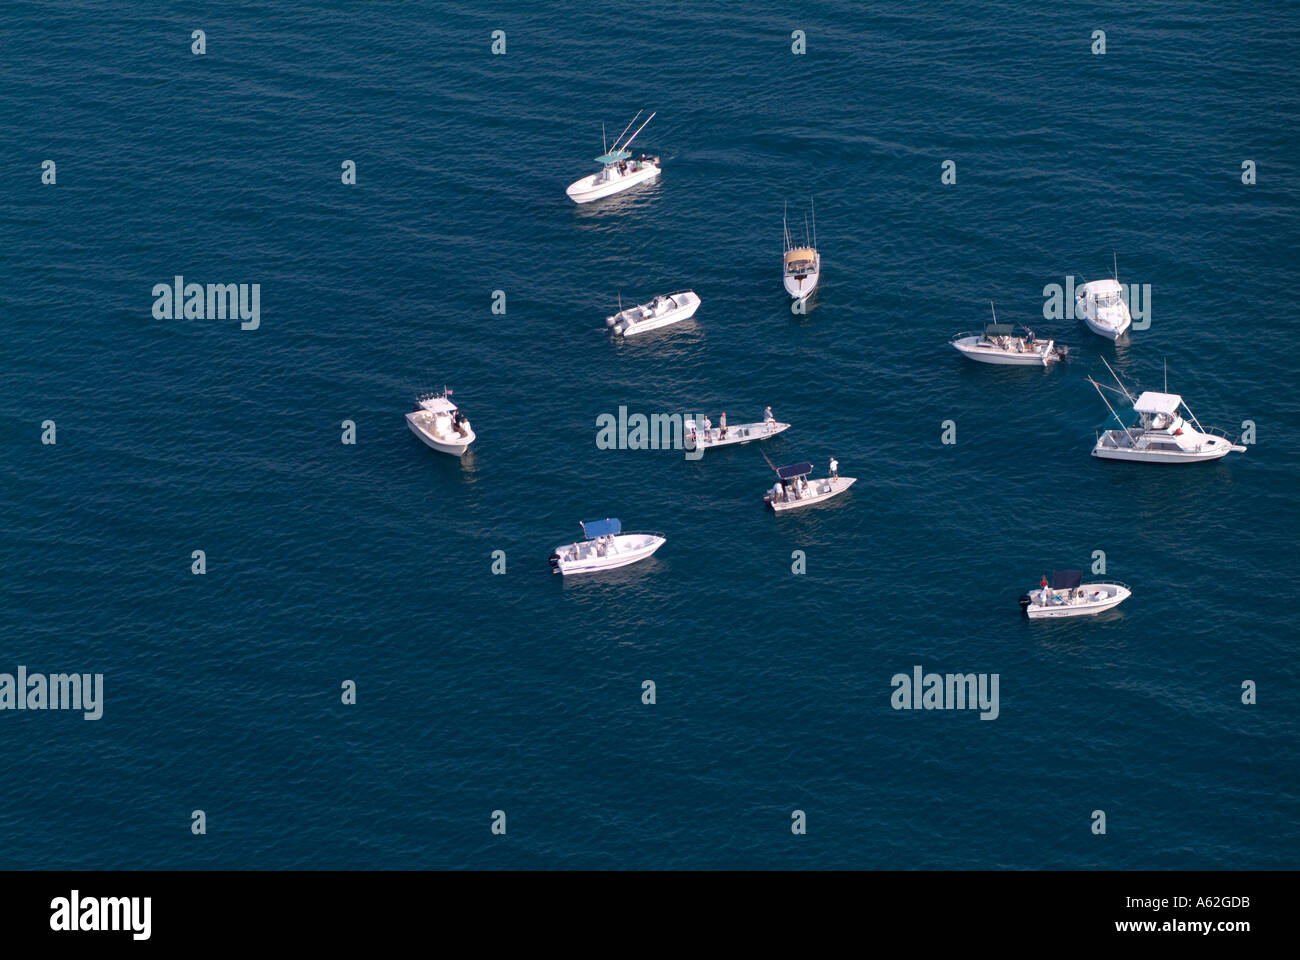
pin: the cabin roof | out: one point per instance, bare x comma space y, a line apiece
800, 253
1152, 402
614, 156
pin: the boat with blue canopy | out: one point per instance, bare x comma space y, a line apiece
606, 547
619, 169
793, 489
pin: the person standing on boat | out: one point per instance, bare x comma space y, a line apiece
835, 469
722, 426
1042, 588
708, 429
768, 419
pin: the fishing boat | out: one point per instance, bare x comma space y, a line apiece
619, 169
1068, 596
605, 548
440, 424
999, 343
801, 264
1101, 306
1166, 430
706, 438
662, 311
793, 489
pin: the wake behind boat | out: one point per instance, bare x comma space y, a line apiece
619, 169
1000, 344
1162, 434
801, 265
605, 548
438, 422
793, 489
660, 312
1069, 596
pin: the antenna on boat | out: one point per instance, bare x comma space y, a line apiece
638, 129
1123, 389
995, 311
625, 130
1166, 374
814, 218
1116, 257
1107, 402
604, 147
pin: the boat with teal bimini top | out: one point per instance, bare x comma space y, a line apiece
619, 169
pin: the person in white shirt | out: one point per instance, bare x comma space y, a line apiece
768, 419
835, 469
722, 426
708, 426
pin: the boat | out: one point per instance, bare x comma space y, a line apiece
619, 169
660, 312
801, 265
1166, 430
706, 438
1101, 306
793, 490
1069, 596
999, 343
440, 424
605, 548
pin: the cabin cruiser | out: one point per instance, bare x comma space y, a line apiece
659, 312
604, 548
1068, 596
438, 422
705, 436
793, 489
1162, 434
1101, 305
619, 169
801, 264
999, 343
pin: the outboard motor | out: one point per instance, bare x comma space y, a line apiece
1025, 601
554, 560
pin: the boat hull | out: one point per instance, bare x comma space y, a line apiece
970, 348
588, 188
739, 433
629, 549
420, 427
628, 327
1110, 446
801, 286
822, 490
1102, 329
1113, 594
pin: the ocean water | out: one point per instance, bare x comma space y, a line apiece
521, 692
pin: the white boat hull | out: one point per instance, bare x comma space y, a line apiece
1107, 330
819, 491
801, 286
1107, 317
597, 186
736, 434
1040, 354
1112, 445
631, 322
423, 426
593, 556
1096, 598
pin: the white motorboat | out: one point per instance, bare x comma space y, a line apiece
999, 343
619, 169
1162, 434
1101, 305
605, 548
706, 438
438, 422
1069, 596
793, 489
801, 264
660, 312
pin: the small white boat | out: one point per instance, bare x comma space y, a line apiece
1069, 596
1162, 433
1000, 344
438, 422
706, 438
659, 312
801, 265
793, 489
619, 169
605, 548
1101, 305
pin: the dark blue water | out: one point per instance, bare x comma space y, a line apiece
521, 692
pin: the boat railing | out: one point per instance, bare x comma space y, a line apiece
1216, 432
1106, 583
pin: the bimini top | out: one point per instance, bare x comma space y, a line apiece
794, 470
436, 404
600, 528
800, 254
1151, 402
1102, 288
1066, 579
614, 156
999, 329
